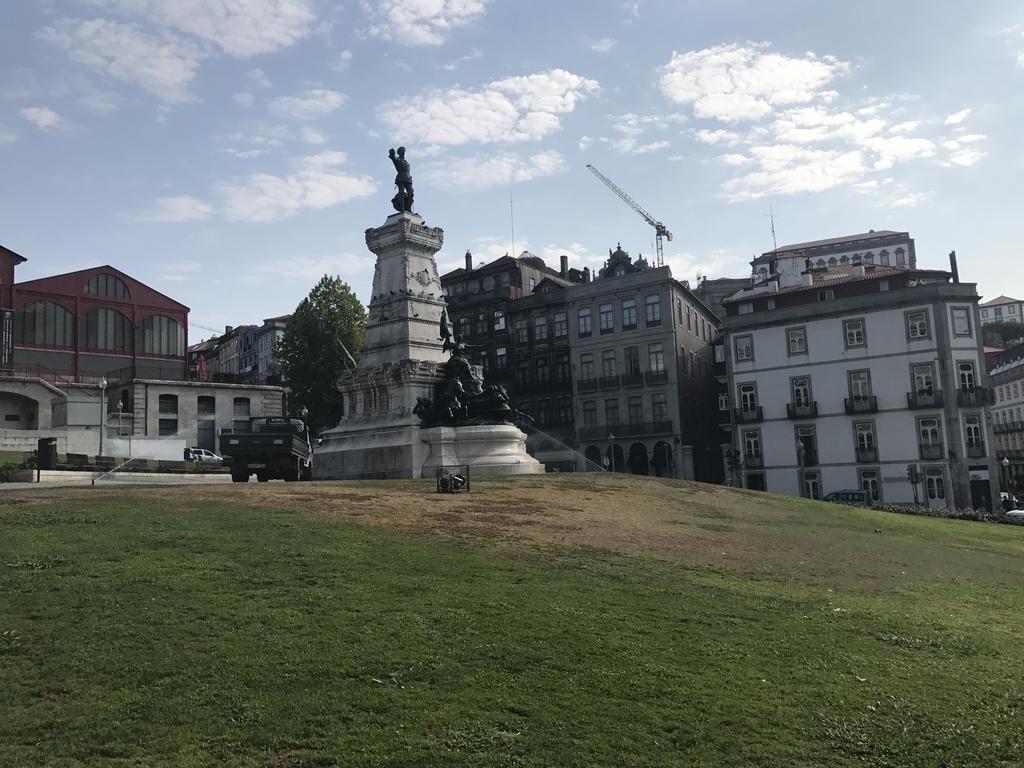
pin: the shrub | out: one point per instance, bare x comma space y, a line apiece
948, 513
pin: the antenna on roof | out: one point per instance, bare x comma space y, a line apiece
512, 220
771, 217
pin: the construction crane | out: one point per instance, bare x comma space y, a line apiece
660, 230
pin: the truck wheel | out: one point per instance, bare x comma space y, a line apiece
238, 477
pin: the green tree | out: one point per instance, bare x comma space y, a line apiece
313, 348
1002, 334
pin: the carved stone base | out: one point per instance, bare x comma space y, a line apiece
492, 449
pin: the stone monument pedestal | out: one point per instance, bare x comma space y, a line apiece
403, 359
491, 449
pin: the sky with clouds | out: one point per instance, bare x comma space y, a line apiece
230, 152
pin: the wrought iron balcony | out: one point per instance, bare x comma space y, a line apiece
749, 415
1009, 426
657, 377
931, 452
609, 382
632, 379
867, 455
861, 404
974, 397
626, 430
924, 398
803, 410
586, 385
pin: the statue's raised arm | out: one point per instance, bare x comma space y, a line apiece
402, 201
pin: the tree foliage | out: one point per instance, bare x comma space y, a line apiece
1002, 334
312, 350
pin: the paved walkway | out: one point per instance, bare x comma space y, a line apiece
81, 479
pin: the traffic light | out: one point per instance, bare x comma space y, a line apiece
912, 474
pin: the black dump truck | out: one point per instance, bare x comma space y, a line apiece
272, 448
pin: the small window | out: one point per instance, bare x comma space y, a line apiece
606, 318
659, 406
482, 323
917, 325
653, 305
542, 369
608, 367
961, 321
746, 308
583, 322
796, 341
522, 332
523, 374
801, 392
561, 325
628, 314
206, 405
240, 414
540, 329
501, 358
655, 358
611, 412
853, 333
860, 385
463, 327
589, 413
587, 367
168, 427
744, 346
869, 482
826, 295
168, 403
499, 321
635, 409
562, 366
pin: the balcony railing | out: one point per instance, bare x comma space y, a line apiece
976, 450
931, 452
626, 430
609, 382
586, 385
974, 396
749, 415
1009, 426
753, 460
861, 404
867, 455
632, 379
656, 377
925, 399
803, 410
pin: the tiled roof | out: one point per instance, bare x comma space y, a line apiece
830, 281
998, 300
837, 240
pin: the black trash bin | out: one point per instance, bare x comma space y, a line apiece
46, 457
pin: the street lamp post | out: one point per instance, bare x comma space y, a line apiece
1005, 464
103, 411
611, 452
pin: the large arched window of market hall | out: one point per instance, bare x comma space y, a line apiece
106, 284
162, 335
45, 323
107, 330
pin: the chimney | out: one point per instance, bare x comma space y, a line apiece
952, 267
469, 261
808, 279
227, 329
773, 286
564, 271
586, 274
858, 270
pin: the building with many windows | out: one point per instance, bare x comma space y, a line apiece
512, 312
642, 357
845, 377
1002, 309
1006, 377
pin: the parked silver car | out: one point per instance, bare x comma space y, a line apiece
204, 456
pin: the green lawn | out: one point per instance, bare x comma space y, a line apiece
222, 628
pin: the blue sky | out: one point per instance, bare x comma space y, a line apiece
229, 152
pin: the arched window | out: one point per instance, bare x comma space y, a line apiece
45, 323
162, 335
107, 329
106, 284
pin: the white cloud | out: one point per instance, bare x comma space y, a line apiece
311, 104
632, 128
243, 154
511, 110
241, 28
963, 150
718, 136
790, 169
309, 269
43, 118
342, 61
744, 82
257, 78
604, 45
958, 117
244, 99
483, 171
908, 126
734, 159
164, 65
420, 22
178, 209
312, 136
316, 183
473, 55
893, 149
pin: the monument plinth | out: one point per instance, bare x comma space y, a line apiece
406, 407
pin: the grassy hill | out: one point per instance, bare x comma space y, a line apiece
585, 620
